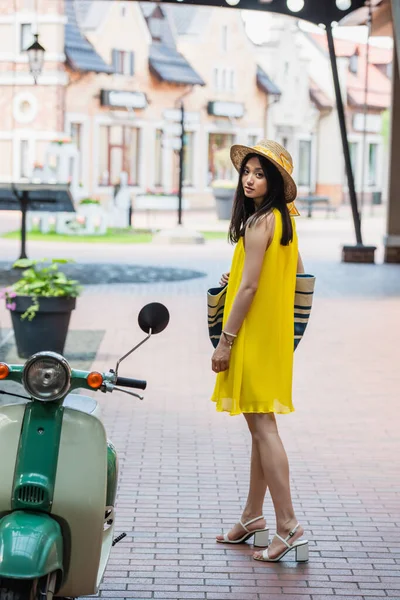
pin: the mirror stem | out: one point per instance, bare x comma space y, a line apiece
130, 352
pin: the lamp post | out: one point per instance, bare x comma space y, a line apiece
36, 58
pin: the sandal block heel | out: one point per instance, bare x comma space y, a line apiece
302, 553
261, 538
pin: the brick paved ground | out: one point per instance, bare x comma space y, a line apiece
184, 468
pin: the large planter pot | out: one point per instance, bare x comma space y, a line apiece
224, 202
47, 330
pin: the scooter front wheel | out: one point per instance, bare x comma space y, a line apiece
36, 589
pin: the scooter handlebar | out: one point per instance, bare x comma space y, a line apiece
131, 383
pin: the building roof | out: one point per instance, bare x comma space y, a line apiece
170, 66
91, 13
347, 48
319, 97
81, 55
266, 84
379, 85
183, 17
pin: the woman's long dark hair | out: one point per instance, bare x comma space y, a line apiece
245, 213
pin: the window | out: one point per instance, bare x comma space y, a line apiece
76, 138
219, 163
353, 148
224, 38
253, 140
304, 163
188, 159
223, 79
158, 166
123, 62
372, 164
26, 38
232, 80
24, 158
118, 151
216, 78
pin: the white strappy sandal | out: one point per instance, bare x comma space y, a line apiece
261, 536
301, 548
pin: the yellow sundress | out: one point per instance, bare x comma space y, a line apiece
259, 378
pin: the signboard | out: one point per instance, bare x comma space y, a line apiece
173, 128
122, 99
234, 110
373, 123
191, 118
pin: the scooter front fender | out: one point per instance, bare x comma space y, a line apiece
31, 546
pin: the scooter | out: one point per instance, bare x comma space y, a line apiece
58, 476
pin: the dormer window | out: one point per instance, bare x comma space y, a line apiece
155, 26
353, 66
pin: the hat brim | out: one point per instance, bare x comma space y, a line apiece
239, 153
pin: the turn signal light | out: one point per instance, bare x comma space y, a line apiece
95, 380
4, 370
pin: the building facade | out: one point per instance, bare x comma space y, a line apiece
305, 117
114, 78
116, 74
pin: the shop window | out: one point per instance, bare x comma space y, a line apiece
118, 151
188, 159
373, 164
219, 163
158, 179
26, 37
123, 62
304, 178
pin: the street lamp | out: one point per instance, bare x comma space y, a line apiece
36, 58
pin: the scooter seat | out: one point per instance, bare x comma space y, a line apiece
85, 404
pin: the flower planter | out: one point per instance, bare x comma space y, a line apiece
224, 202
48, 329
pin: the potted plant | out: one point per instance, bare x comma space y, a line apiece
223, 188
40, 303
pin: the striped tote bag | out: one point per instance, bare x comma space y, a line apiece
303, 298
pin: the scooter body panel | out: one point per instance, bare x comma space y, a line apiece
11, 419
79, 499
31, 546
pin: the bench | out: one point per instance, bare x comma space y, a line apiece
315, 202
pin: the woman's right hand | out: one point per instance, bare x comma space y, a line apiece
224, 279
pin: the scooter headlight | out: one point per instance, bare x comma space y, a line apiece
47, 376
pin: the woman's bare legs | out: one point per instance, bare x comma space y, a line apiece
255, 498
275, 469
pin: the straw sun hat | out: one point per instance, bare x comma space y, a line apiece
279, 157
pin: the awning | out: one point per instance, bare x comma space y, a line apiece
266, 84
170, 66
81, 56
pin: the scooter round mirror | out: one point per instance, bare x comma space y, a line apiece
154, 317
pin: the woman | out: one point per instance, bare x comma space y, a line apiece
254, 357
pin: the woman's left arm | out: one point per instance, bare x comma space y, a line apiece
257, 238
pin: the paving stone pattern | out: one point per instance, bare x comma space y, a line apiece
184, 468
